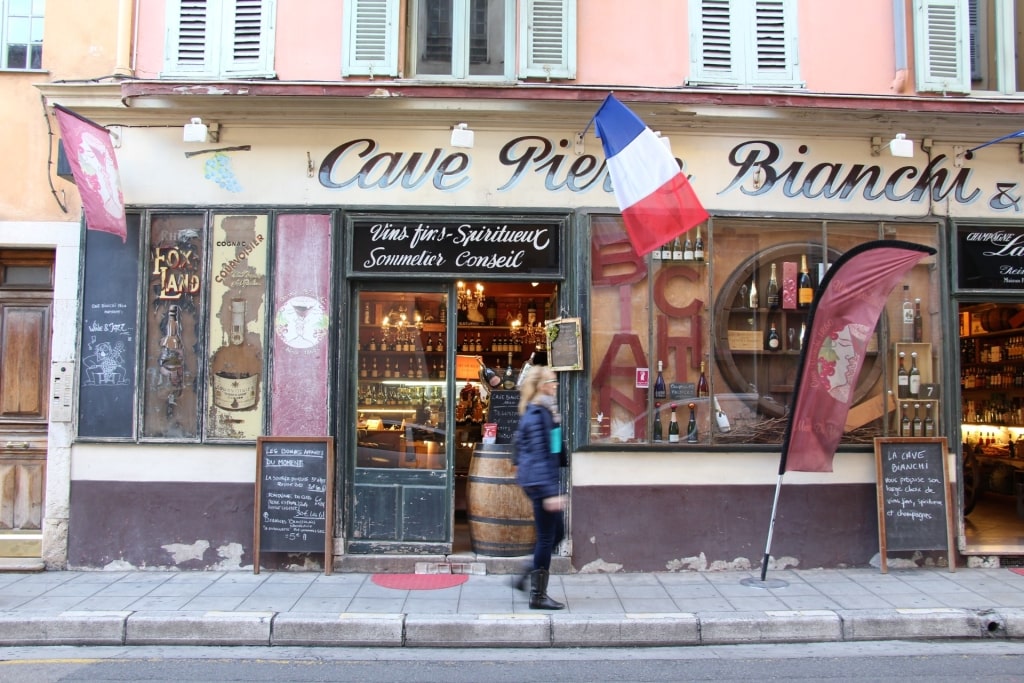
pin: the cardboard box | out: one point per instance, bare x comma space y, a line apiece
745, 340
789, 285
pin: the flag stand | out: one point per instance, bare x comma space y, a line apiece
770, 583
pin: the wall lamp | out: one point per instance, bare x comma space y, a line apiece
197, 131
462, 136
899, 146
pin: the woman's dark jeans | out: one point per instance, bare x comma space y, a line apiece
550, 529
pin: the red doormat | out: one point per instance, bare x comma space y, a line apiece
419, 582
1018, 571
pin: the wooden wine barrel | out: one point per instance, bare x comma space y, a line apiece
997, 319
499, 513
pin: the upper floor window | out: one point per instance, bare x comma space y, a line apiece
21, 26
742, 43
461, 39
219, 39
969, 45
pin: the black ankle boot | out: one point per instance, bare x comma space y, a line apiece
539, 591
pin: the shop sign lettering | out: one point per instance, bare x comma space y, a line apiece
178, 271
990, 257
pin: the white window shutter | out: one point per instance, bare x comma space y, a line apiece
371, 38
714, 55
188, 48
775, 58
248, 39
547, 38
942, 46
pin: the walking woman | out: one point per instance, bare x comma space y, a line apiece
538, 444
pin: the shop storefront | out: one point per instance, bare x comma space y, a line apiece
363, 297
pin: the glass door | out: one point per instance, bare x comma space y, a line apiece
402, 478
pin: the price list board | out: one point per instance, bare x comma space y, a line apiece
294, 497
913, 497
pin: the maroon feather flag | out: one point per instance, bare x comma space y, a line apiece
94, 166
840, 324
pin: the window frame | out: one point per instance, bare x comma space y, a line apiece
5, 27
747, 38
218, 40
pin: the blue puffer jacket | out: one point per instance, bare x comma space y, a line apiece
538, 466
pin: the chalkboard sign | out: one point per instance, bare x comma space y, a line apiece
106, 383
680, 390
913, 496
565, 348
504, 410
294, 498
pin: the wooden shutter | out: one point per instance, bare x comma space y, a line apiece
371, 38
547, 39
774, 59
187, 50
942, 46
219, 39
248, 39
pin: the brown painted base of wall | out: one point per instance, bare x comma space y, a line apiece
657, 528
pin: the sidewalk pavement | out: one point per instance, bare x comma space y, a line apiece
670, 609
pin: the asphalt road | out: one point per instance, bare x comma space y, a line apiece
992, 661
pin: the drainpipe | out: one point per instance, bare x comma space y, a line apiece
125, 13
899, 33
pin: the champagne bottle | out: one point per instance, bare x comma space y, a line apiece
805, 291
688, 249
509, 381
488, 376
673, 426
722, 419
657, 434
929, 421
915, 377
904, 421
752, 294
698, 246
677, 249
918, 322
659, 384
916, 426
902, 379
907, 307
773, 342
656, 253
236, 366
702, 383
691, 425
773, 290
666, 251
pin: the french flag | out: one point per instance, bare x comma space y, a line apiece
657, 202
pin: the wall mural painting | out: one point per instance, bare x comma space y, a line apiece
237, 313
174, 331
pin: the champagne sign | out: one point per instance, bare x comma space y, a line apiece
384, 246
989, 257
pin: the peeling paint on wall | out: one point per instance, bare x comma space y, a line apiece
181, 552
600, 567
231, 557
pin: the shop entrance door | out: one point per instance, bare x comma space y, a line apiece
402, 482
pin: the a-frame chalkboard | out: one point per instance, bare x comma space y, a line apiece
294, 497
913, 497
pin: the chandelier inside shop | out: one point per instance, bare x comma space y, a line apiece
469, 298
530, 332
397, 326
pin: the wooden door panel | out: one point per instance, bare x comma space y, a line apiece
24, 373
21, 493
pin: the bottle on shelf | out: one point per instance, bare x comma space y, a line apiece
509, 380
929, 421
525, 370
702, 383
804, 288
488, 376
772, 340
656, 253
916, 424
773, 290
236, 366
362, 368
657, 434
698, 246
373, 368
659, 383
366, 315
673, 426
902, 378
904, 421
803, 335
721, 418
918, 322
666, 251
752, 293
442, 313
691, 424
907, 308
677, 249
688, 248
914, 381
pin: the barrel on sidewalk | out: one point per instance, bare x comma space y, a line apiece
499, 513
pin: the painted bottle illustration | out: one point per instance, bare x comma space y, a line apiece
236, 366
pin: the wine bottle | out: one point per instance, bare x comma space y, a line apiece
688, 249
722, 419
659, 384
918, 322
698, 246
677, 249
666, 251
673, 426
929, 421
902, 378
907, 307
366, 315
691, 425
772, 341
657, 435
805, 291
752, 294
525, 370
773, 290
488, 376
904, 421
236, 366
916, 426
914, 383
509, 381
656, 253
702, 383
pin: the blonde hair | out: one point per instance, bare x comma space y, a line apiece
531, 385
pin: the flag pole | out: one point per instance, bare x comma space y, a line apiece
774, 583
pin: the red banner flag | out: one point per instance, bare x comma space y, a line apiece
94, 166
840, 324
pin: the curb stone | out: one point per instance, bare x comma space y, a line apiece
777, 626
198, 628
67, 628
632, 630
345, 630
917, 623
482, 630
